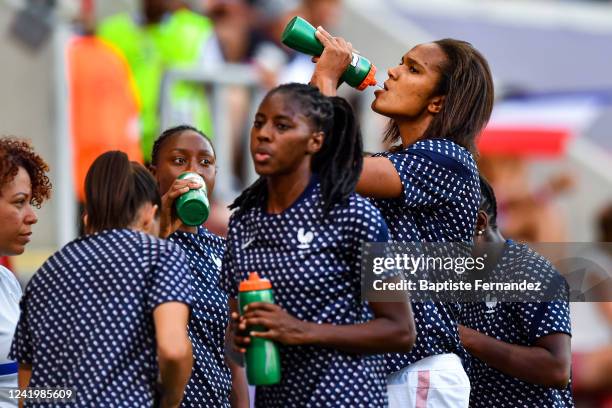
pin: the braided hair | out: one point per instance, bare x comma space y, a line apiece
488, 203
166, 134
338, 162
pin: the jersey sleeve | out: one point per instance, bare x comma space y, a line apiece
539, 319
171, 277
543, 318
369, 227
429, 178
21, 348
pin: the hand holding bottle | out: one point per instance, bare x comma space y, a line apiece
169, 222
332, 63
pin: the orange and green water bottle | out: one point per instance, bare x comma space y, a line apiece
263, 365
299, 35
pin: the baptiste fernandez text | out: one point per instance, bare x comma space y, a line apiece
450, 285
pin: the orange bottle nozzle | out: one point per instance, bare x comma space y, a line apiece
254, 283
369, 80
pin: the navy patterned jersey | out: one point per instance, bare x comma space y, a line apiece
516, 323
439, 203
87, 317
210, 383
314, 263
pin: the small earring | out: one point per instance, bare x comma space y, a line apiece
480, 232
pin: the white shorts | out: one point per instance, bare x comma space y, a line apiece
433, 382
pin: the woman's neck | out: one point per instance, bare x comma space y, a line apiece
284, 189
188, 229
495, 247
413, 131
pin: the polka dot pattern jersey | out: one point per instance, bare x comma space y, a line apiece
87, 317
516, 323
314, 263
210, 383
439, 203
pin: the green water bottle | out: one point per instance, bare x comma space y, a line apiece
263, 365
299, 35
193, 206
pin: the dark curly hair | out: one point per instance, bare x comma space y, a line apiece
15, 153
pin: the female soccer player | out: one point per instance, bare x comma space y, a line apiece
106, 315
438, 99
185, 149
301, 226
23, 185
521, 350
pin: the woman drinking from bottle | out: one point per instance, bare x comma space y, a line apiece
301, 226
106, 316
438, 99
23, 185
216, 380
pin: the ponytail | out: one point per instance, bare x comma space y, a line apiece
115, 189
340, 160
251, 196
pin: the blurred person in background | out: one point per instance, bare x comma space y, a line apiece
235, 25
249, 32
319, 13
592, 324
107, 314
104, 107
526, 213
520, 351
216, 379
240, 41
23, 185
162, 36
438, 99
290, 65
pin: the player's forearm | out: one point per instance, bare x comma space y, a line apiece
380, 335
240, 392
326, 85
23, 379
532, 364
175, 370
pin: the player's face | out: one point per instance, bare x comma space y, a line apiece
282, 138
16, 214
410, 89
182, 152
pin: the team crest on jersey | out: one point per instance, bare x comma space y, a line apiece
491, 304
304, 238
